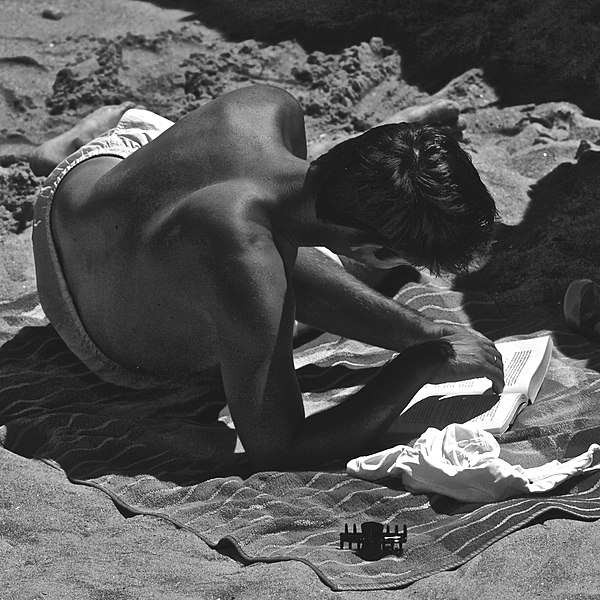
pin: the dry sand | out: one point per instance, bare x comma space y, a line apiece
58, 540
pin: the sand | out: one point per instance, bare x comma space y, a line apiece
63, 541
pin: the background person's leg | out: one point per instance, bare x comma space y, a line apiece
439, 113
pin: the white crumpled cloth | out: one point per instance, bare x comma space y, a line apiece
462, 461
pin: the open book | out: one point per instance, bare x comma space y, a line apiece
525, 365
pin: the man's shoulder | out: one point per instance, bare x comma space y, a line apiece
228, 213
262, 94
233, 240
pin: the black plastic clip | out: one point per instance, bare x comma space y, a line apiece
373, 543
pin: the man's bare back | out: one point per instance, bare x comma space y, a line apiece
133, 249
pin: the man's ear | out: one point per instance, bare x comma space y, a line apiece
311, 179
376, 255
384, 253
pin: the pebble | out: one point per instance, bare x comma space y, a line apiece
53, 14
376, 44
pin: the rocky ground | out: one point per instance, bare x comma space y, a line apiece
526, 153
528, 109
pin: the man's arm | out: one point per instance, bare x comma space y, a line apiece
331, 299
254, 312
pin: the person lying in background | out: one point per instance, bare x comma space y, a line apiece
171, 252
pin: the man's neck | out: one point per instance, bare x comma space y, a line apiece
293, 210
294, 217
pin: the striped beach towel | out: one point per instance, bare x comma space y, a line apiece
166, 454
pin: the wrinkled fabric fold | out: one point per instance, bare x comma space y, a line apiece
463, 462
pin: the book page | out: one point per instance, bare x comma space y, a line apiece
525, 364
453, 388
500, 416
493, 412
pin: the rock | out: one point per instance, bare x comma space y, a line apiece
8, 158
562, 121
470, 90
53, 14
587, 150
378, 47
329, 87
18, 190
302, 75
94, 82
532, 134
15, 147
552, 114
22, 60
538, 160
376, 44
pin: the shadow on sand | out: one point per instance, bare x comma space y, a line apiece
557, 241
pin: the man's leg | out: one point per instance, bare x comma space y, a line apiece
329, 298
440, 113
46, 156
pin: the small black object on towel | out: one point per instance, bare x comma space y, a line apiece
373, 543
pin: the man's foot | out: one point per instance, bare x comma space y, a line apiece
46, 156
581, 307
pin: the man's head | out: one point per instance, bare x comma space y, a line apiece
412, 189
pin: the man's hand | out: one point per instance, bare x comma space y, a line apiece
461, 355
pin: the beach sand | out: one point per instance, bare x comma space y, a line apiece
58, 540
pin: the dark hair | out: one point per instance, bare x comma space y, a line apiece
414, 189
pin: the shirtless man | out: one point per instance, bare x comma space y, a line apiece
165, 253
